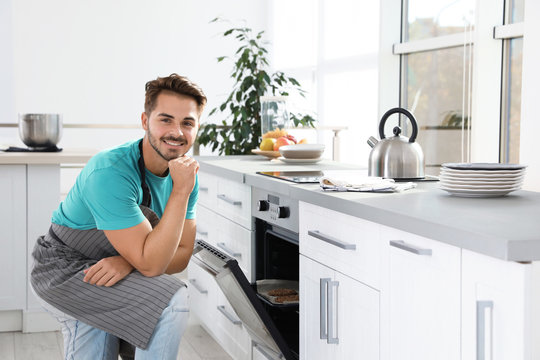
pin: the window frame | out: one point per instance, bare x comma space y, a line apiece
488, 37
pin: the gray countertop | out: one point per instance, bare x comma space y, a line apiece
506, 227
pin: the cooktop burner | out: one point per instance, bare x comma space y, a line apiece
313, 177
21, 149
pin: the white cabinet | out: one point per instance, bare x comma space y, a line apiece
497, 301
340, 301
424, 297
13, 238
224, 221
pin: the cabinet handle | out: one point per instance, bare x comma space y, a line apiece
196, 286
229, 317
202, 233
481, 307
229, 200
235, 254
400, 244
203, 188
330, 311
322, 315
331, 240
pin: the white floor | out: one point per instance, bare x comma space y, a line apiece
196, 345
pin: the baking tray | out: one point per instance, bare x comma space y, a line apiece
264, 286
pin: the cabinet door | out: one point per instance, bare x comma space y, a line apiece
13, 237
358, 319
494, 309
314, 278
424, 297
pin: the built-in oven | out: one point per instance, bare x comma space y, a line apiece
268, 308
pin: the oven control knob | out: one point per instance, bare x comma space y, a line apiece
283, 212
264, 205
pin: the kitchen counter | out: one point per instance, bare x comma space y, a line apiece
506, 227
66, 156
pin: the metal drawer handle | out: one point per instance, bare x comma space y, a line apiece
229, 200
196, 286
481, 307
330, 311
400, 244
322, 316
331, 240
235, 254
229, 317
205, 189
202, 233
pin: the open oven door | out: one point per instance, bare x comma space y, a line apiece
243, 299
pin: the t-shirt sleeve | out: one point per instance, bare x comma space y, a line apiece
191, 211
112, 199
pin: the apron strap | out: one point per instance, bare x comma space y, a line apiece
147, 198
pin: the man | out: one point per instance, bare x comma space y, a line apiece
129, 221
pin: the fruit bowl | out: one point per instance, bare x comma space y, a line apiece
268, 154
302, 151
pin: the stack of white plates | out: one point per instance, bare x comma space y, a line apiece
481, 179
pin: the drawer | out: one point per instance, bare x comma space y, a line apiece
206, 225
207, 190
234, 202
229, 330
237, 242
202, 293
342, 242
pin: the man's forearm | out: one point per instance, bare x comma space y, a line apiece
179, 261
162, 242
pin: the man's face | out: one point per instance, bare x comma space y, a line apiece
173, 124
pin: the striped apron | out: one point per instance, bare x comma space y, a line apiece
130, 309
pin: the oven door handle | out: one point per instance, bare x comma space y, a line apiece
331, 240
204, 265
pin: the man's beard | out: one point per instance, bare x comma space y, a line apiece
155, 145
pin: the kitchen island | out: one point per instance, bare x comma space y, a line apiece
447, 277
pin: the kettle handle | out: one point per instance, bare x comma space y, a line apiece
401, 111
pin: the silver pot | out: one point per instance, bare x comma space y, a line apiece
396, 157
40, 130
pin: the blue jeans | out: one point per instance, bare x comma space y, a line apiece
82, 341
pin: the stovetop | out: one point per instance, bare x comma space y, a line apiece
23, 149
313, 177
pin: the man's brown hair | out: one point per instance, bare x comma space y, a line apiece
177, 84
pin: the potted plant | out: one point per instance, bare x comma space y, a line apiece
240, 131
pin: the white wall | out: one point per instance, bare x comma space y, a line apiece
90, 60
530, 125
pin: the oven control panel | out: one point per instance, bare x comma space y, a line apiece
275, 208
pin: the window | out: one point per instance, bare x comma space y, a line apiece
451, 53
331, 48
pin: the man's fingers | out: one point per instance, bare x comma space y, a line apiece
104, 279
90, 272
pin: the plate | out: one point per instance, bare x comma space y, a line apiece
478, 193
481, 174
268, 154
300, 161
483, 166
479, 187
302, 151
480, 182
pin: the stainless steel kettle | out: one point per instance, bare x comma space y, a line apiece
396, 157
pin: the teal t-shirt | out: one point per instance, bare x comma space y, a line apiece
107, 192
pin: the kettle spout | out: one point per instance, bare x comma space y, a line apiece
372, 141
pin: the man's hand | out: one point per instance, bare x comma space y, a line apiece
183, 171
107, 271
